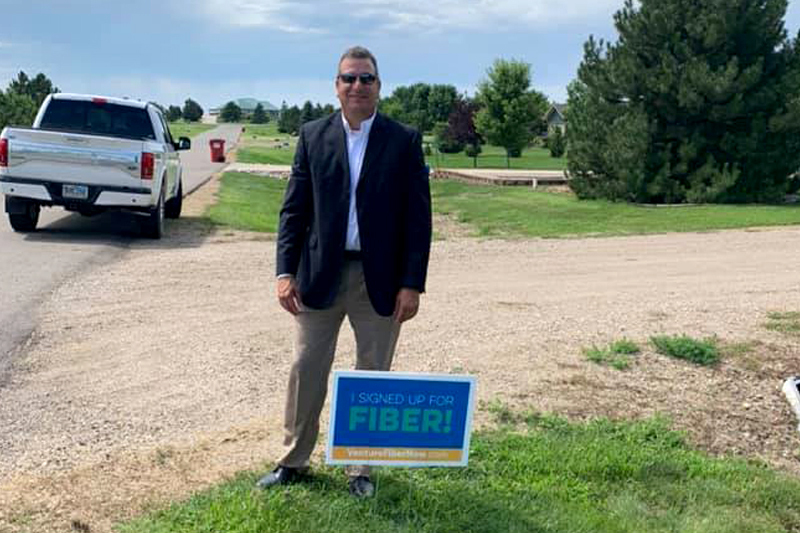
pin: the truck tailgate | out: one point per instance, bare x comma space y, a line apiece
73, 158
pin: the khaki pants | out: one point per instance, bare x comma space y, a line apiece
315, 345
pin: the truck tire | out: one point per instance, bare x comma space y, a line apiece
153, 225
172, 209
25, 222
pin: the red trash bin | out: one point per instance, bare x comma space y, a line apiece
217, 150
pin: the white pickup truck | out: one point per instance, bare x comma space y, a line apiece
90, 154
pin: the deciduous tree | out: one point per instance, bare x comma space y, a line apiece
510, 109
192, 112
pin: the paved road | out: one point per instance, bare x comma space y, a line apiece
32, 265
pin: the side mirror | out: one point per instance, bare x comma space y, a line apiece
184, 143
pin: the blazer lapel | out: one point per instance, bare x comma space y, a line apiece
337, 145
375, 145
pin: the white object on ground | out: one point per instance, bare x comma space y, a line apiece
793, 395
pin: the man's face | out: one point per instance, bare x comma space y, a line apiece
358, 99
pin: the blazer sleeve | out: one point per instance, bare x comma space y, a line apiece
295, 215
418, 219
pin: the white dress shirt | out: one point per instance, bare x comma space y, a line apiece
356, 148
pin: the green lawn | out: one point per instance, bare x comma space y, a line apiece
188, 129
521, 211
248, 202
495, 157
252, 202
263, 144
541, 475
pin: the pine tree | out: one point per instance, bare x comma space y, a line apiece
307, 113
259, 115
37, 88
16, 109
696, 102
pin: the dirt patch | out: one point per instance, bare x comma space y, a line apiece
141, 388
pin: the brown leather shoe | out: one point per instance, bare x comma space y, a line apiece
282, 475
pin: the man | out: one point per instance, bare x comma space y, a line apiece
354, 240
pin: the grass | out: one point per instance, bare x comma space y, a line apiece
787, 322
248, 202
535, 474
617, 355
251, 202
701, 352
521, 211
261, 143
188, 129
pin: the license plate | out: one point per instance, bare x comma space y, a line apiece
77, 192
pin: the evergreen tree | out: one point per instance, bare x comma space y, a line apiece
289, 121
259, 115
192, 112
37, 88
696, 102
556, 143
307, 114
16, 109
510, 110
230, 112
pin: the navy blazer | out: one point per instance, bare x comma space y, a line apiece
393, 207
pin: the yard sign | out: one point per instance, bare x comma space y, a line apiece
400, 419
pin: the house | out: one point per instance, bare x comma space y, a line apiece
556, 118
248, 105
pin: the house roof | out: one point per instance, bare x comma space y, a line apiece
248, 105
558, 109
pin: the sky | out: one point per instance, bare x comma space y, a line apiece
214, 51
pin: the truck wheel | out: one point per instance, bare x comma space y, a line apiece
172, 209
153, 224
26, 221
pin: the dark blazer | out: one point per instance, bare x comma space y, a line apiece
392, 202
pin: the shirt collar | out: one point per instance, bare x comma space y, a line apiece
365, 126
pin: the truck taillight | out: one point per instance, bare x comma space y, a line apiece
148, 164
3, 152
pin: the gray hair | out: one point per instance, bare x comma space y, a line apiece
359, 52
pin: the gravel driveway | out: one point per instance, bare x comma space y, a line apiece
138, 388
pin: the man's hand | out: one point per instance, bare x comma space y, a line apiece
406, 305
288, 295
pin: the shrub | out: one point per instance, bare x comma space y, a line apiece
703, 352
445, 141
557, 144
473, 150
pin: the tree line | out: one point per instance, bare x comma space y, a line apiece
693, 102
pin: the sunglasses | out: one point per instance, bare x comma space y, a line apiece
365, 78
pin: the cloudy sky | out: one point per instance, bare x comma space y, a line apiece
286, 50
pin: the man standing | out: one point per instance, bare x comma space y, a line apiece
354, 240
